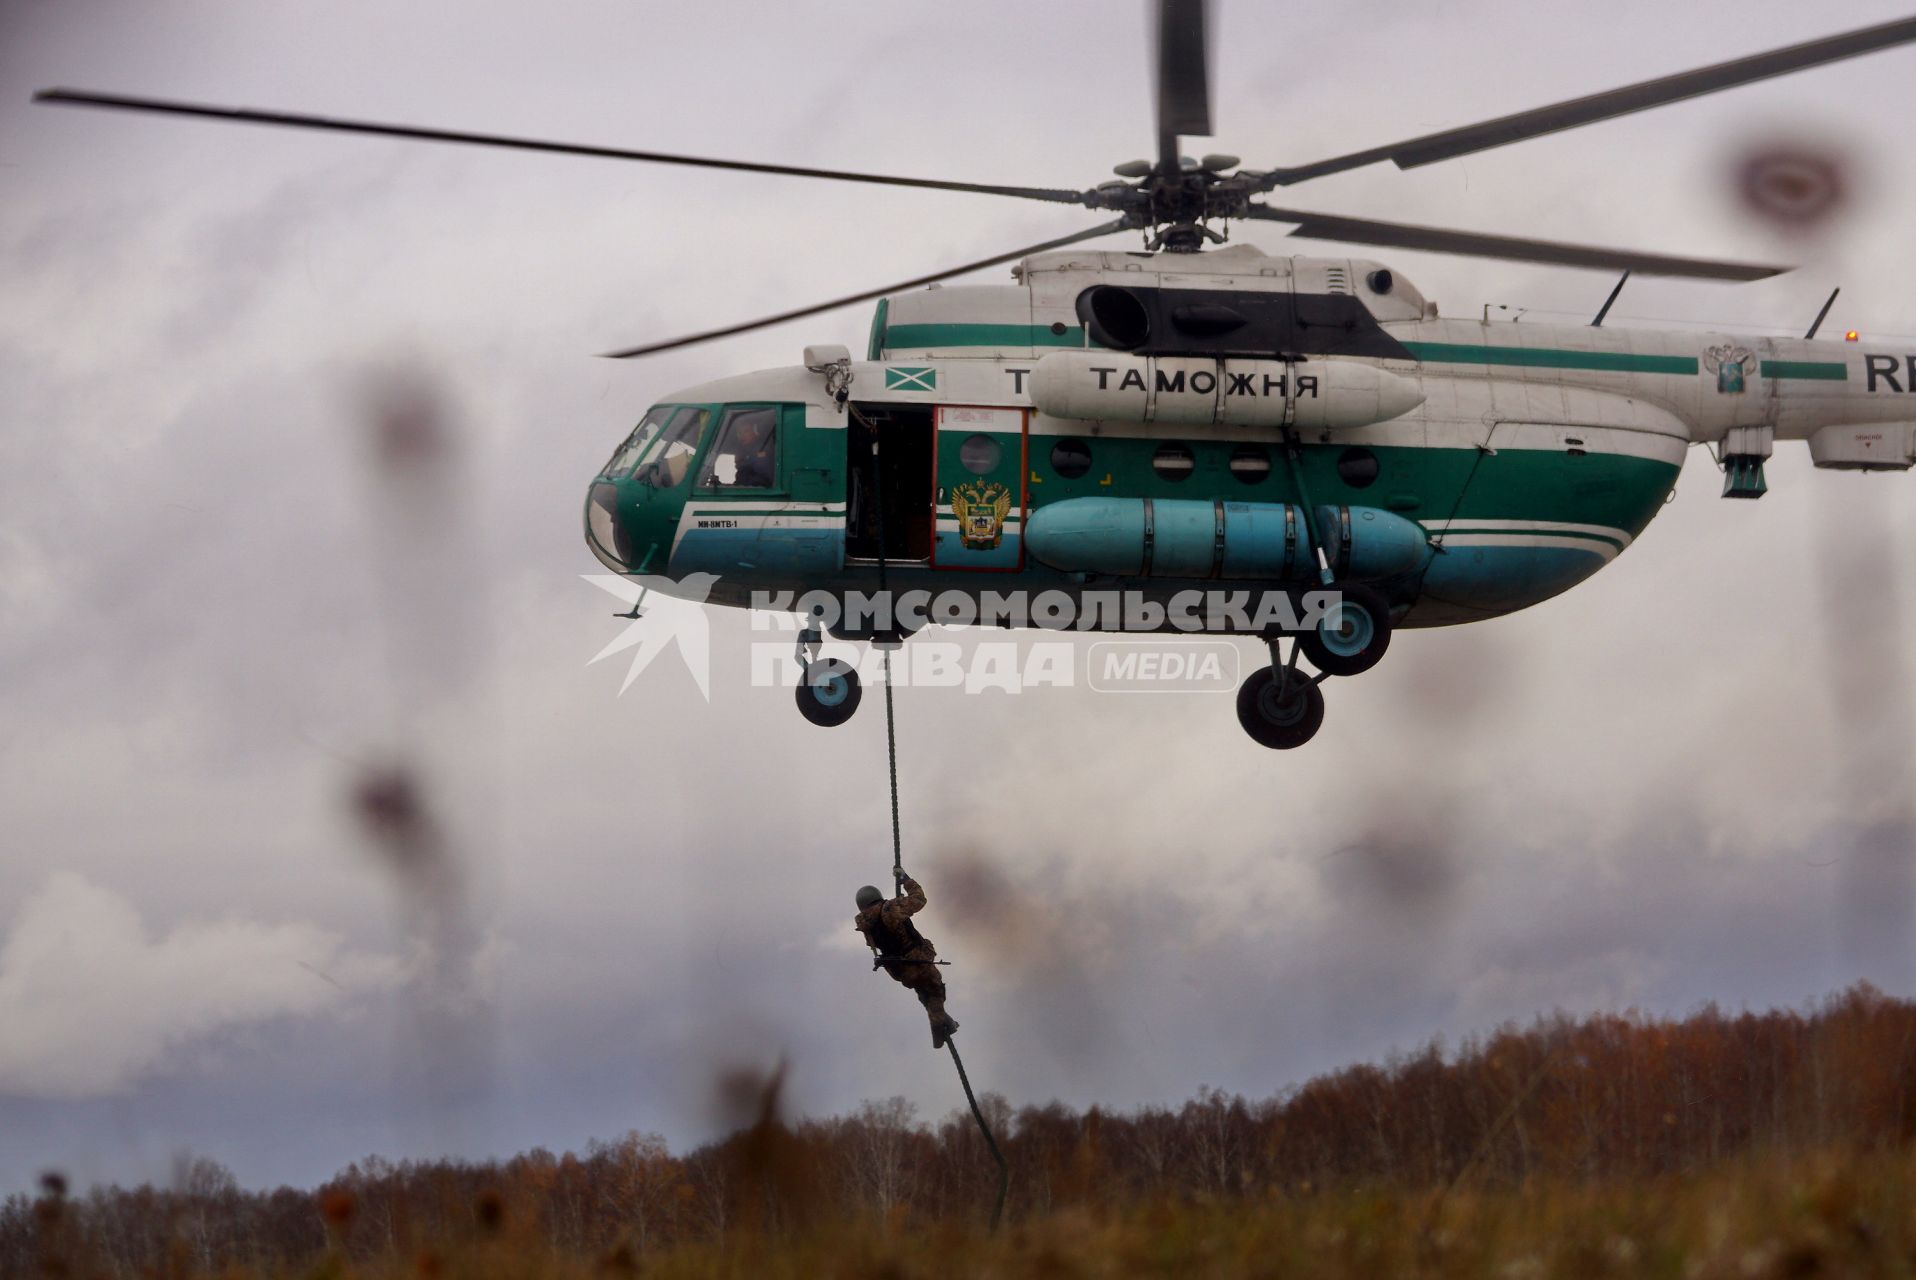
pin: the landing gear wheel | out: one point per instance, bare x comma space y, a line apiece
828, 693
1353, 635
1280, 707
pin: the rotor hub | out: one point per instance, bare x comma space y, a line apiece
1176, 208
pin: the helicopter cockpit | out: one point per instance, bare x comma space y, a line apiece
675, 456
654, 460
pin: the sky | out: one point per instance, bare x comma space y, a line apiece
222, 609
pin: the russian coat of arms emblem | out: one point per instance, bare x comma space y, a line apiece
1731, 365
981, 510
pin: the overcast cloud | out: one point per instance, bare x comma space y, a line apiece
92, 1004
1687, 780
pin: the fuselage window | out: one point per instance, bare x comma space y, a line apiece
664, 465
1358, 467
1250, 463
1173, 462
745, 456
980, 454
1071, 457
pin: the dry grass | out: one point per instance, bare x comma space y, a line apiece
1751, 1218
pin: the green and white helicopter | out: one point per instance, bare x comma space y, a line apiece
1178, 439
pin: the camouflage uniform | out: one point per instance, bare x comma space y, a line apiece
908, 954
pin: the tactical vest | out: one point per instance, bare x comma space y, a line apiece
892, 941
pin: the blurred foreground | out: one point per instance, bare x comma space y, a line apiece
1761, 1144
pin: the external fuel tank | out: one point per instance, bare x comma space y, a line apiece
1193, 538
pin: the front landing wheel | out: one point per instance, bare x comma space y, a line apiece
1280, 707
1353, 635
828, 693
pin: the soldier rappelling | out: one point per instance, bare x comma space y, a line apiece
903, 952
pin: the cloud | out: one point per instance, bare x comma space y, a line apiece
1625, 795
91, 1002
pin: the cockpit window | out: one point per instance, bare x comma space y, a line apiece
745, 456
642, 435
664, 465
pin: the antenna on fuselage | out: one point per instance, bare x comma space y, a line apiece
1604, 310
1827, 304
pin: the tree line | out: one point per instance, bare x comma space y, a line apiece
1605, 1097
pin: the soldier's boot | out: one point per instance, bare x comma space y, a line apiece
942, 1023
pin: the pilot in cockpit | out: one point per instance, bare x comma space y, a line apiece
752, 452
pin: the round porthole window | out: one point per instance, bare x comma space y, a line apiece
1071, 457
1250, 463
1173, 462
1357, 468
980, 454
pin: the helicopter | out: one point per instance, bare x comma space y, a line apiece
1193, 438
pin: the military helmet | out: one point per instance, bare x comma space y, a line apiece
869, 897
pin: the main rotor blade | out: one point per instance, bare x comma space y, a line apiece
1535, 123
1399, 235
867, 295
332, 124
1183, 77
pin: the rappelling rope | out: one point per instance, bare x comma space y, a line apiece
897, 843
891, 723
891, 760
891, 740
1004, 1170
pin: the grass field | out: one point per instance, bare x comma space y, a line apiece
1823, 1216
1828, 1217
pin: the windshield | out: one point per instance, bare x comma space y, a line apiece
642, 435
666, 462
